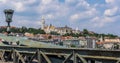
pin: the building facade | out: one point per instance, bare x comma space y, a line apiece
60, 30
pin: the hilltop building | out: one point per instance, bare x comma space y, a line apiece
42, 23
60, 30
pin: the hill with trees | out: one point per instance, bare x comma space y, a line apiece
83, 33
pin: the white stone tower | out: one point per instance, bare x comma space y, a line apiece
42, 23
76, 30
101, 39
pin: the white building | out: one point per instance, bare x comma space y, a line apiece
60, 30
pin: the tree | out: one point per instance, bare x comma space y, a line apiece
41, 31
54, 33
49, 37
85, 31
72, 45
67, 34
23, 29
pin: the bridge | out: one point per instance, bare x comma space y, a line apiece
22, 54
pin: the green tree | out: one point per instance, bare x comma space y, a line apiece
54, 33
49, 37
85, 31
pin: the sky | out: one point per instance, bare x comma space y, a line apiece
101, 16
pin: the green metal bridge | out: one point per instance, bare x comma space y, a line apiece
37, 52
57, 55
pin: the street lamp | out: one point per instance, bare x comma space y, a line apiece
8, 15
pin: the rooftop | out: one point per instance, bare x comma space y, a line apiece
25, 41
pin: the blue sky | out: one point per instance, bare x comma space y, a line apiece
101, 16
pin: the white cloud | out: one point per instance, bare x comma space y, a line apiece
3, 1
19, 22
19, 6
74, 17
103, 21
29, 1
46, 2
111, 12
70, 1
112, 8
62, 13
49, 16
84, 15
110, 1
109, 15
83, 3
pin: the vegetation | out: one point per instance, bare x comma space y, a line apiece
85, 33
73, 45
49, 37
54, 33
23, 30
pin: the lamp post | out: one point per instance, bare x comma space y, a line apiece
8, 15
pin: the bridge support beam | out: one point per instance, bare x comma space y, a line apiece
2, 52
45, 57
68, 58
39, 54
14, 56
75, 56
20, 58
81, 58
17, 57
118, 61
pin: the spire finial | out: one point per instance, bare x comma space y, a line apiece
43, 18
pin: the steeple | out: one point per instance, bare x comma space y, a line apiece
76, 29
42, 23
101, 39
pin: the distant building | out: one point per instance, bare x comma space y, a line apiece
42, 23
71, 43
63, 30
49, 28
29, 34
60, 30
112, 40
83, 42
6, 27
91, 42
109, 43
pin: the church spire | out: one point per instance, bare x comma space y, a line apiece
42, 23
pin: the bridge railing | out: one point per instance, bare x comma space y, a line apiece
83, 54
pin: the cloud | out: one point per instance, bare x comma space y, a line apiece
108, 14
76, 13
46, 2
111, 12
74, 17
19, 6
83, 3
110, 1
112, 8
103, 21
20, 21
3, 1
84, 15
